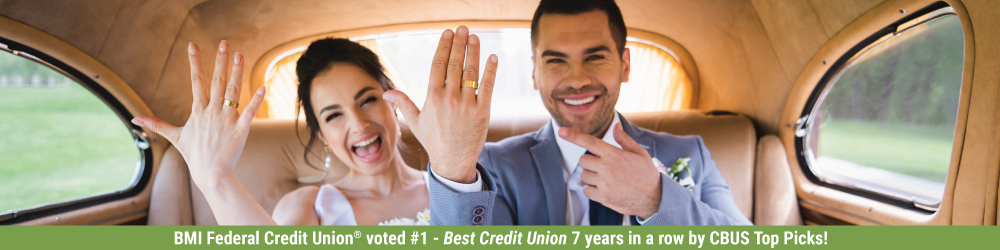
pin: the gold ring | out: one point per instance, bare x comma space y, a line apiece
231, 103
470, 84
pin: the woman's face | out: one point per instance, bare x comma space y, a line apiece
356, 123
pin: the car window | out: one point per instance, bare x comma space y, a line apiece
658, 82
887, 121
59, 142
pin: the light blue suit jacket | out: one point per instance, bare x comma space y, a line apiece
523, 184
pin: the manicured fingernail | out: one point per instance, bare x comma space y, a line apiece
463, 31
260, 91
136, 121
563, 132
448, 34
237, 58
223, 46
387, 98
191, 49
493, 58
474, 39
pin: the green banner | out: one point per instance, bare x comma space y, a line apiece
497, 237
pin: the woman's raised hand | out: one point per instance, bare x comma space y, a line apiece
213, 138
453, 123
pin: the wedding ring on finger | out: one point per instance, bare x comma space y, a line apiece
470, 84
231, 103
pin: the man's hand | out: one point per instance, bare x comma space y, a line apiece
452, 125
624, 180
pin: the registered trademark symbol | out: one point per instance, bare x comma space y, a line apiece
357, 234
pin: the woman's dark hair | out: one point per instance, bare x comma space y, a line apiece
320, 55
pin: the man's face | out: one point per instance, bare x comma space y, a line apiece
578, 70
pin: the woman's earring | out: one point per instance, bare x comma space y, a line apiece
327, 163
326, 171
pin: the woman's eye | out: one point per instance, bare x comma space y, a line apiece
369, 100
331, 116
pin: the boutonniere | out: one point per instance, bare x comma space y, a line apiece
679, 172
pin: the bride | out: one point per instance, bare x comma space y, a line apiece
349, 106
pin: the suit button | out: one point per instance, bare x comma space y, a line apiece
477, 220
478, 210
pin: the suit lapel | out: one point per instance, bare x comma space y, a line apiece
548, 163
636, 134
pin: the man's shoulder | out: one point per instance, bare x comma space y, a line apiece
673, 141
514, 145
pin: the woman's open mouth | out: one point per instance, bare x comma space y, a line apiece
368, 150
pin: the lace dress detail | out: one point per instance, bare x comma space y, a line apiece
333, 208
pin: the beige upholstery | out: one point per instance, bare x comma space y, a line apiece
272, 160
775, 202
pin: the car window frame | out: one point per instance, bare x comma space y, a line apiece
141, 177
803, 124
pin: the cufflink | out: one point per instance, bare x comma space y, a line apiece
477, 219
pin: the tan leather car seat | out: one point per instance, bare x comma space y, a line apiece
272, 161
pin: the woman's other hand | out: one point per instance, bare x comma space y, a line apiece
213, 138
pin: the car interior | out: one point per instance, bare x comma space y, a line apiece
817, 112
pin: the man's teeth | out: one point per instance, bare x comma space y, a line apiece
578, 102
366, 142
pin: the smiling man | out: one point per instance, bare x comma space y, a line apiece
588, 166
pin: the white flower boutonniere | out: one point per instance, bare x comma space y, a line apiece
679, 172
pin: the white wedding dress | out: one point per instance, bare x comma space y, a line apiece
334, 209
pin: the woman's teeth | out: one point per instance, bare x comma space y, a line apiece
577, 102
366, 142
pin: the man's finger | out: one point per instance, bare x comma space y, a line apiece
627, 143
593, 144
486, 84
251, 110
456, 60
471, 72
158, 126
405, 105
591, 163
591, 178
439, 65
199, 89
219, 75
593, 193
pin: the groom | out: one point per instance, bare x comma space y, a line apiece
588, 165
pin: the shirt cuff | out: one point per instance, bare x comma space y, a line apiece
643, 221
475, 186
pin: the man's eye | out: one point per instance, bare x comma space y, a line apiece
331, 116
369, 100
595, 57
554, 60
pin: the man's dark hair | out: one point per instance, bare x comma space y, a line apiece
572, 7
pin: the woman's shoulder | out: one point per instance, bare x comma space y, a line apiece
296, 207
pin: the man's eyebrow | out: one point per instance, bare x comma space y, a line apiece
331, 107
553, 53
362, 92
597, 49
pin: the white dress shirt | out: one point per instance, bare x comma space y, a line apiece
578, 205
